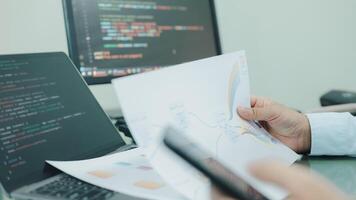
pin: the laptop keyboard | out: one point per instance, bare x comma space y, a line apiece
67, 187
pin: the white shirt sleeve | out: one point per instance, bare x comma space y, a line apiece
333, 134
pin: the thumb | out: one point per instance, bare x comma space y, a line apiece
289, 178
259, 114
298, 181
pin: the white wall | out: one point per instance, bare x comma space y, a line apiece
31, 26
297, 49
38, 26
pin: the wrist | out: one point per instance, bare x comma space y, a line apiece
305, 136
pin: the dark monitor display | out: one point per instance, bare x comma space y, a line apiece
47, 112
114, 38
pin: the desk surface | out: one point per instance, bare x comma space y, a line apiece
339, 170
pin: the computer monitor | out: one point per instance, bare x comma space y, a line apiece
115, 38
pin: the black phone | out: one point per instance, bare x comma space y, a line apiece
219, 175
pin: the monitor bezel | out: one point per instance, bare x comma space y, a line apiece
72, 39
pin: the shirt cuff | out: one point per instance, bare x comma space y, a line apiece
332, 134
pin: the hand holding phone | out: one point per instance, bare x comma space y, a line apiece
222, 177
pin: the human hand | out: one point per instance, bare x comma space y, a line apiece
217, 194
289, 126
298, 181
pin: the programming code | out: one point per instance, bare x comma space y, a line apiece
24, 100
120, 37
46, 113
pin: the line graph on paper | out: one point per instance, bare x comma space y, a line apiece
214, 131
217, 129
213, 123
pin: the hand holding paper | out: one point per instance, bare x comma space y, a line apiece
199, 99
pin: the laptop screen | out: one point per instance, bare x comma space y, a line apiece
47, 112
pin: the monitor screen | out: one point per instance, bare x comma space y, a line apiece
114, 38
47, 112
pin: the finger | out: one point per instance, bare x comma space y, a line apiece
290, 178
259, 114
217, 194
298, 181
253, 101
257, 101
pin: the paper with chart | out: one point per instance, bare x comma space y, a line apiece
200, 99
127, 172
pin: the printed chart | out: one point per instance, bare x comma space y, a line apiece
127, 172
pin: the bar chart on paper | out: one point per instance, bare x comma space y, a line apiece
127, 172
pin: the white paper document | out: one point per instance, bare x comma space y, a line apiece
199, 99
127, 172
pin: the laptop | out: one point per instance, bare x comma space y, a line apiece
47, 112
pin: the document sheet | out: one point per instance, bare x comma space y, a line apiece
199, 99
127, 172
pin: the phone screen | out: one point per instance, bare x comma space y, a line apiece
221, 176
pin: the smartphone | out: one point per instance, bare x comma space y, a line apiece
222, 177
